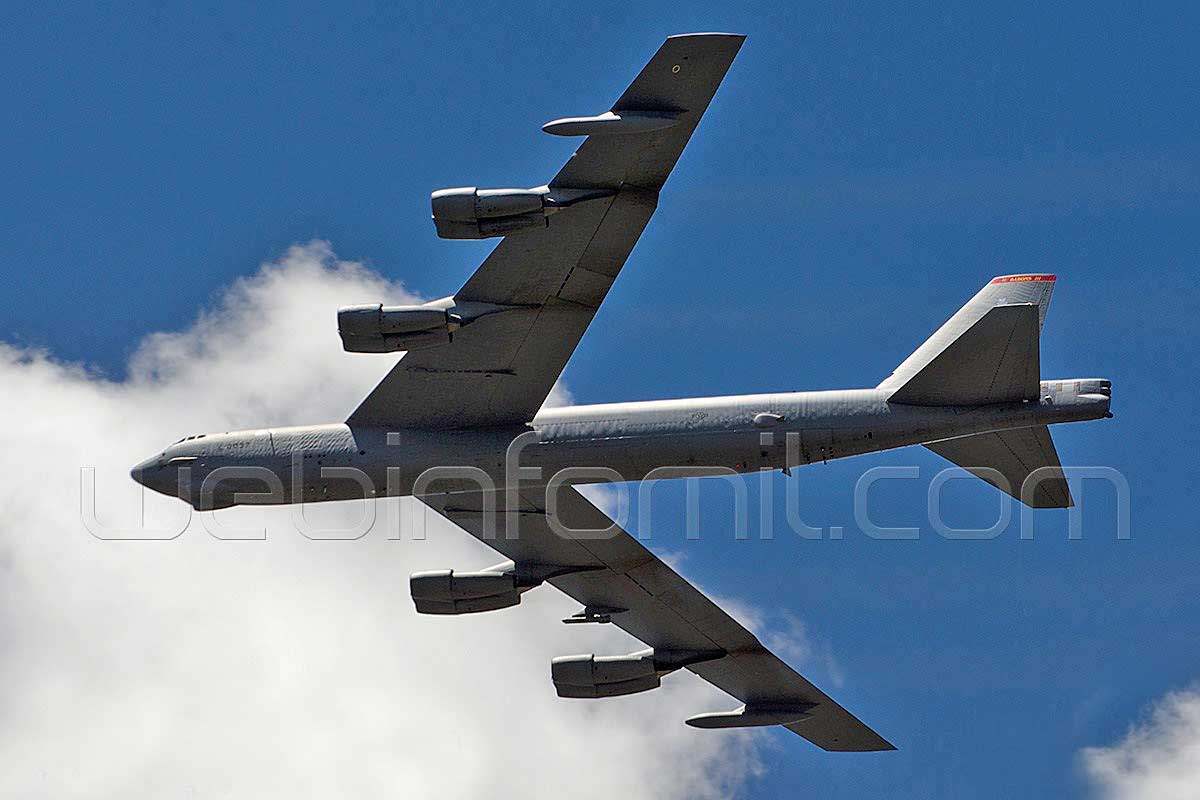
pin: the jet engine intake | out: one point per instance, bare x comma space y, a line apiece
385, 329
450, 592
471, 213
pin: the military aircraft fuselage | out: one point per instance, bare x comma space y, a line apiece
600, 443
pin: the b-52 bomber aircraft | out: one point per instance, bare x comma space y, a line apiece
479, 364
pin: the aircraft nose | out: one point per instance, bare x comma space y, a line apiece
149, 473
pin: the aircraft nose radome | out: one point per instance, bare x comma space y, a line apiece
144, 472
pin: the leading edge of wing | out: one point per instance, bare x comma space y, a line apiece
662, 609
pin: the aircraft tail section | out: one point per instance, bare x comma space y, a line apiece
1021, 462
988, 352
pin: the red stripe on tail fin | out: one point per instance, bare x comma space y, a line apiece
1022, 278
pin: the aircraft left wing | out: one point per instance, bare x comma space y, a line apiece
551, 280
650, 601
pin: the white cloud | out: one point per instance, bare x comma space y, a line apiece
287, 667
791, 641
1158, 759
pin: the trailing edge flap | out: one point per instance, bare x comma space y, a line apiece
1006, 459
996, 360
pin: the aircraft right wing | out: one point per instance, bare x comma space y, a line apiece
551, 280
651, 602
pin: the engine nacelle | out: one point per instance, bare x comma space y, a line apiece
450, 592
386, 329
606, 676
471, 213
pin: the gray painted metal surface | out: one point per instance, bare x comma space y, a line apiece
490, 354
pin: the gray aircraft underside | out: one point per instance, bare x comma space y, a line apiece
478, 365
720, 435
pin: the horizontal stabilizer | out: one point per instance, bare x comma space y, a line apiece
1007, 459
996, 360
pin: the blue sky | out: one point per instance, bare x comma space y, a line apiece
860, 174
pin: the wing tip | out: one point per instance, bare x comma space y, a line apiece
882, 746
741, 37
849, 735
714, 44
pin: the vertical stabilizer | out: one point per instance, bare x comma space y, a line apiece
988, 352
